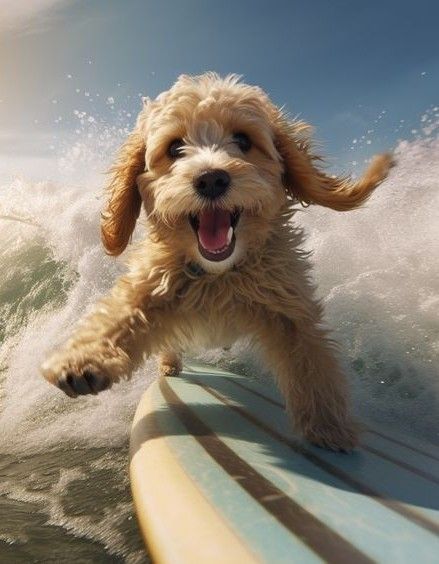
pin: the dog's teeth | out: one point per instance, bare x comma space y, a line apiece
229, 235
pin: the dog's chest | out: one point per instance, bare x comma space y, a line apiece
215, 310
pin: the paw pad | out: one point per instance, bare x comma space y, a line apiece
83, 383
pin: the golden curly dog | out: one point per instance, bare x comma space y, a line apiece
218, 168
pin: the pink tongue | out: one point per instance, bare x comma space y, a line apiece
213, 228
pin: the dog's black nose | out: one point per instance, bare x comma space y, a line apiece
212, 184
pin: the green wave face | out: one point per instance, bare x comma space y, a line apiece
31, 280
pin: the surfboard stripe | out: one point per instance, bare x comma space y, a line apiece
401, 464
367, 524
376, 451
257, 393
271, 394
170, 535
407, 512
402, 443
324, 541
259, 530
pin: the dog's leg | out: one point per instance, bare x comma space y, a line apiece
170, 363
305, 366
108, 345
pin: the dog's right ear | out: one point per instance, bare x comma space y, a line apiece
124, 202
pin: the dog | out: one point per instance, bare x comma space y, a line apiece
219, 171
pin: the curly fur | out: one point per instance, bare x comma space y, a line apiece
263, 290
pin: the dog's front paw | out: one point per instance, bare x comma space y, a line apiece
75, 381
88, 381
342, 438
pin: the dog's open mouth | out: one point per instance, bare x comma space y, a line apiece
215, 230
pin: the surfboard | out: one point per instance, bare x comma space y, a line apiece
218, 476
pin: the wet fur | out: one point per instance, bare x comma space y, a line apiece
263, 290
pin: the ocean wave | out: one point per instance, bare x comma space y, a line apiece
374, 268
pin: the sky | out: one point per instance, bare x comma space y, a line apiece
363, 73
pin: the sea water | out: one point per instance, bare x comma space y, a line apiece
64, 490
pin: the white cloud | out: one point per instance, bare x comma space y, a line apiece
24, 14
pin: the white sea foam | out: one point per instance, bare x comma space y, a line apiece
376, 270
65, 218
378, 273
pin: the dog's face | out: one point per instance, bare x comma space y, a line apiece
214, 162
213, 177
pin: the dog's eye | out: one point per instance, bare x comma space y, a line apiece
174, 149
243, 141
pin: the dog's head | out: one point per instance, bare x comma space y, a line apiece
215, 163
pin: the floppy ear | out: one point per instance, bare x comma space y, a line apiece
123, 208
306, 183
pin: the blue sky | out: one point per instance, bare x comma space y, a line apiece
348, 67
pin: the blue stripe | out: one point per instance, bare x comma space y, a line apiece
258, 529
370, 526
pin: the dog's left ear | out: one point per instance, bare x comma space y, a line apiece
306, 183
124, 202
